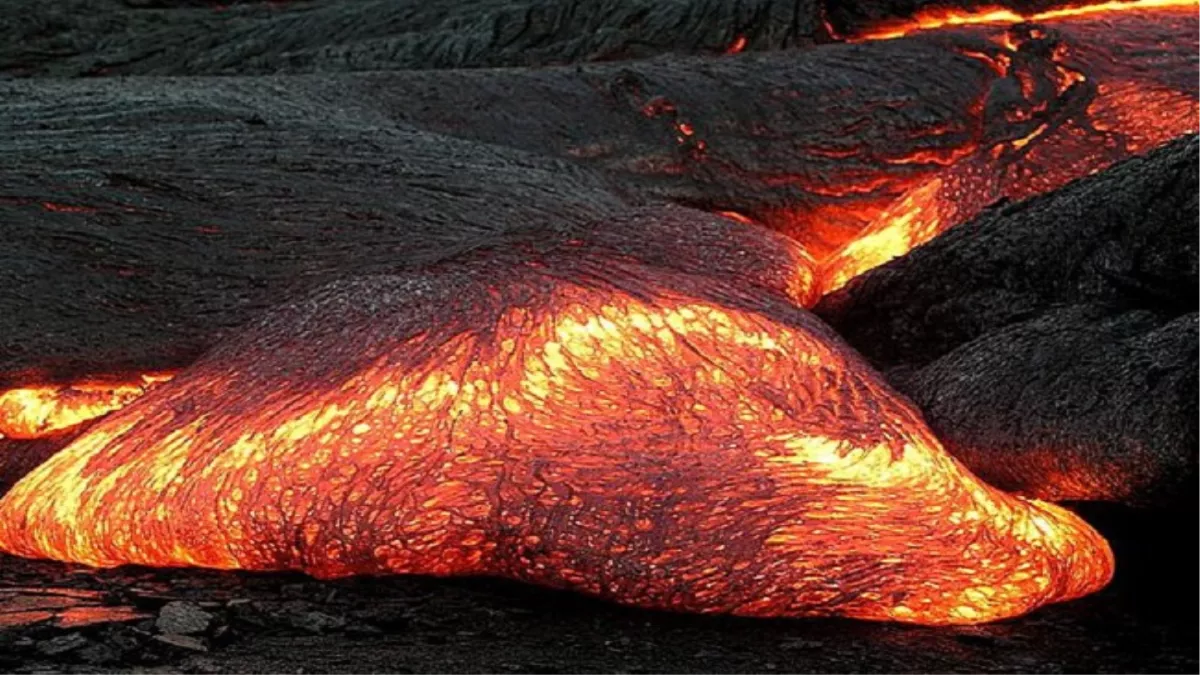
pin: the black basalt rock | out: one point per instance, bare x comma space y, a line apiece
1051, 343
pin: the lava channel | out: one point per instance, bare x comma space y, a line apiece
573, 416
938, 18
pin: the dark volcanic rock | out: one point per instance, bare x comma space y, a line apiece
183, 206
61, 644
95, 37
1052, 343
183, 618
186, 642
216, 220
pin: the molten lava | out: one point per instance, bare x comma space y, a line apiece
34, 412
582, 418
662, 427
910, 222
940, 17
1092, 86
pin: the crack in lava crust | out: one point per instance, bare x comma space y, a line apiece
558, 418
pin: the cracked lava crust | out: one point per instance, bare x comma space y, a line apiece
577, 415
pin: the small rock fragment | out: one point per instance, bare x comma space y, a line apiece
362, 630
62, 644
99, 654
183, 618
315, 622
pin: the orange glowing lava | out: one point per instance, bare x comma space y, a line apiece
34, 412
913, 220
935, 18
591, 421
709, 448
1065, 106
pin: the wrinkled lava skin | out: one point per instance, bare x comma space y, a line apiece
571, 415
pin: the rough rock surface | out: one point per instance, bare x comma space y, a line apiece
1052, 343
103, 37
86, 167
182, 206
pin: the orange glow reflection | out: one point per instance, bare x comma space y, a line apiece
913, 220
1079, 110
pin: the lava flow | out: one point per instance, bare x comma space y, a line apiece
575, 416
1079, 88
943, 17
38, 411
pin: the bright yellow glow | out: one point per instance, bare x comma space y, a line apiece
32, 412
933, 19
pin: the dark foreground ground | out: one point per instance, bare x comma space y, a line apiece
199, 621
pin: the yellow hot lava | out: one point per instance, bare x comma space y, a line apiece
935, 18
33, 412
1103, 117
913, 220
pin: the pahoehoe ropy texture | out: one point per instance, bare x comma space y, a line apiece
569, 372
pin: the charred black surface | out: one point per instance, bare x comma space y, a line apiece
135, 233
110, 37
183, 206
1054, 334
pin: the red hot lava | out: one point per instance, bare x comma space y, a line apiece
37, 411
1079, 89
942, 17
559, 416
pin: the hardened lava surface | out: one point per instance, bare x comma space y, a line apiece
573, 415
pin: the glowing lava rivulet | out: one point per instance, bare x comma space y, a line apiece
942, 17
575, 416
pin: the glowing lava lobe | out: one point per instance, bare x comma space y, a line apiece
1093, 86
557, 418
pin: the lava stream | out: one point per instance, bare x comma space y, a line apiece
587, 419
1068, 103
940, 18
